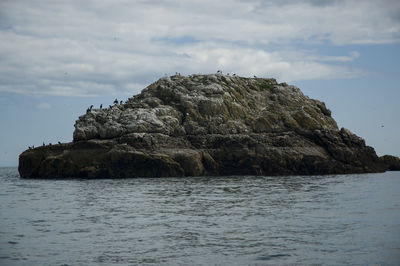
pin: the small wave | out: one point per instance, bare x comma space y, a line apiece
272, 256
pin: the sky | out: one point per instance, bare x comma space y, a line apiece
59, 57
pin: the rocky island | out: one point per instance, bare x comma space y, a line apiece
207, 125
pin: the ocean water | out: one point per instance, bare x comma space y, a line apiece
240, 220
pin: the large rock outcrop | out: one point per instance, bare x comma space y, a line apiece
206, 125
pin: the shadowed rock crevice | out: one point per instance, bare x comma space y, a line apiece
207, 125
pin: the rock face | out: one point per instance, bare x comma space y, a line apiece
206, 125
392, 163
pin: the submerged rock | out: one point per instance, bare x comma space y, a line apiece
206, 125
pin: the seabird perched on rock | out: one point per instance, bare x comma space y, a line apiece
43, 144
255, 76
116, 101
91, 107
101, 106
120, 102
59, 142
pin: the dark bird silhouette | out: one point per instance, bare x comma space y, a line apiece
120, 102
91, 107
43, 144
115, 101
101, 106
59, 142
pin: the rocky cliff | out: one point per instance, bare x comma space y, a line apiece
206, 125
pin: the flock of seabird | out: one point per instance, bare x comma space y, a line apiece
101, 105
87, 110
116, 102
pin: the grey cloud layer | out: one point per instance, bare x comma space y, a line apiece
76, 48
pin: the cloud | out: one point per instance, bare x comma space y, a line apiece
76, 48
353, 55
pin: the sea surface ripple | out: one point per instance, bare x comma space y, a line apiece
237, 220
